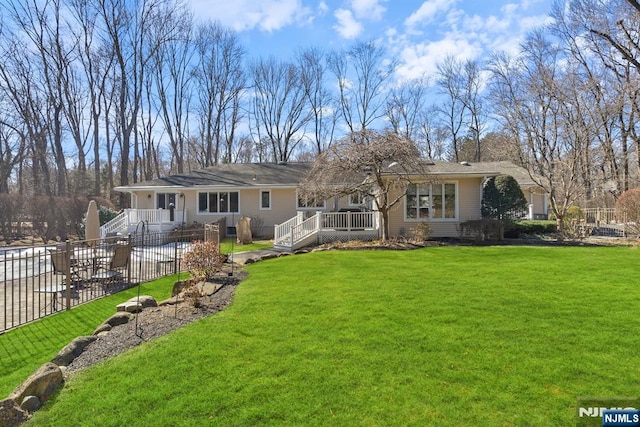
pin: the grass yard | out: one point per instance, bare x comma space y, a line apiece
228, 245
443, 336
24, 349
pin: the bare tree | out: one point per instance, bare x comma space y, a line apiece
221, 81
19, 78
134, 31
375, 165
603, 38
451, 86
96, 62
172, 75
530, 94
280, 107
404, 106
313, 72
40, 24
362, 73
474, 104
12, 148
432, 136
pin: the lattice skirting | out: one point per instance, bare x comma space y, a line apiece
346, 237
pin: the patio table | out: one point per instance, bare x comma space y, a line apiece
54, 290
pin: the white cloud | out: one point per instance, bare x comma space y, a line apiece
348, 27
422, 59
428, 11
368, 9
323, 8
242, 15
439, 28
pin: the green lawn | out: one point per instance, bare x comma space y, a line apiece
443, 336
228, 245
24, 349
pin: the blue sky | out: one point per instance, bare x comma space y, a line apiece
417, 33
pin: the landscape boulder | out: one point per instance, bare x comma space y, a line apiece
42, 383
72, 350
136, 304
30, 404
104, 327
120, 318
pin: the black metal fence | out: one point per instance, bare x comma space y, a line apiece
40, 280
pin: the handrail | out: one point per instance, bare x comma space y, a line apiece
283, 231
134, 216
116, 224
292, 232
304, 229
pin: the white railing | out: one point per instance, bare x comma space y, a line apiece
282, 232
334, 224
129, 218
304, 229
600, 216
116, 225
347, 220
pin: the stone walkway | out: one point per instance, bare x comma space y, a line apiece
249, 257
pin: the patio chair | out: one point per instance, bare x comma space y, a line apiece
113, 271
62, 262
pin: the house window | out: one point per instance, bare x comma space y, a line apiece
265, 199
358, 199
218, 202
431, 201
309, 203
163, 200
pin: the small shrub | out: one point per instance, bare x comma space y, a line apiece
192, 295
483, 228
204, 259
628, 209
420, 232
519, 229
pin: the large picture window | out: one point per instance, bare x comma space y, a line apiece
218, 202
431, 201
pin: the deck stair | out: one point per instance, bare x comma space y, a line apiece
325, 227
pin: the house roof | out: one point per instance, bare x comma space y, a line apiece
231, 175
289, 175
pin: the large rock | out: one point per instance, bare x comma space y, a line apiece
72, 350
10, 413
136, 304
42, 383
104, 327
119, 318
208, 288
129, 307
30, 404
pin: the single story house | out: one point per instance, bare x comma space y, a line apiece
268, 194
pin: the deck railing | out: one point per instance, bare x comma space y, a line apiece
327, 226
31, 288
601, 216
155, 218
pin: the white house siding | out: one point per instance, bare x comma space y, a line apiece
283, 207
468, 198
